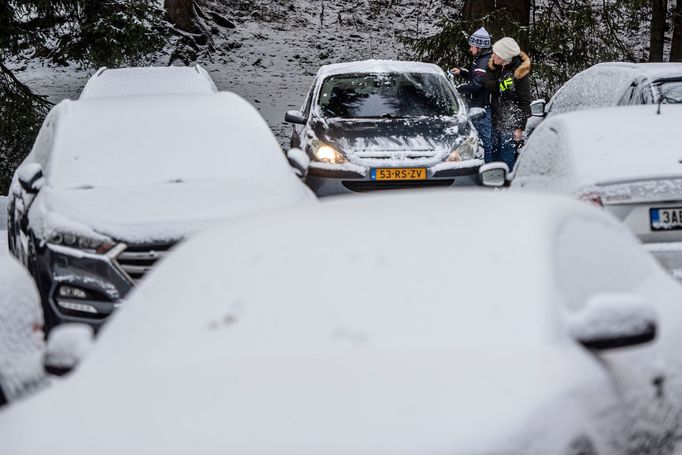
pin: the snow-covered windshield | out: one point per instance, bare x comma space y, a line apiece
671, 92
387, 95
129, 141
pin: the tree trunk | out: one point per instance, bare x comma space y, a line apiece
676, 50
475, 10
659, 8
181, 13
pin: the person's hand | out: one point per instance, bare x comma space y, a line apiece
518, 135
455, 71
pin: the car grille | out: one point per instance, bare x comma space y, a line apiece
396, 155
136, 261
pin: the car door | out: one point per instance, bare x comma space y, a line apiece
647, 377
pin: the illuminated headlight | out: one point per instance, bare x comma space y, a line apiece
465, 151
83, 243
328, 154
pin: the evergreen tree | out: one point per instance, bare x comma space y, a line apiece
88, 32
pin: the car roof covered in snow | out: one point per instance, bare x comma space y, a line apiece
313, 331
651, 70
153, 139
148, 81
603, 146
378, 66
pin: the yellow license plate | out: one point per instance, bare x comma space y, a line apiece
410, 173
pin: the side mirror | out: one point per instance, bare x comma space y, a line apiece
298, 160
295, 117
476, 113
537, 108
494, 174
31, 177
67, 345
613, 321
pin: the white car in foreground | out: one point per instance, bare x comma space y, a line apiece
627, 160
166, 80
113, 183
514, 324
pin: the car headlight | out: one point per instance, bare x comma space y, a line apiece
81, 242
465, 151
328, 154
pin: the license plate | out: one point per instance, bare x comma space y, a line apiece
410, 173
666, 219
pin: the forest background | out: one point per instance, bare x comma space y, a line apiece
268, 50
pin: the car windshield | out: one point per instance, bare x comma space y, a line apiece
671, 92
387, 95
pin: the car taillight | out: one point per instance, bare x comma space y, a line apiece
592, 197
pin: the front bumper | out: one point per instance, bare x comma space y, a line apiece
329, 179
98, 275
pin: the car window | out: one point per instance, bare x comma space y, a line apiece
646, 96
388, 95
671, 92
593, 257
593, 88
308, 99
43, 145
630, 95
541, 157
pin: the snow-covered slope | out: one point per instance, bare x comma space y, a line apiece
273, 53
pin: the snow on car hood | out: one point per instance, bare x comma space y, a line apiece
161, 212
393, 135
358, 401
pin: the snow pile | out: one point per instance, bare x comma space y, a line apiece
68, 345
148, 81
21, 336
378, 66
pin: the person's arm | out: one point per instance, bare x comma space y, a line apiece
523, 100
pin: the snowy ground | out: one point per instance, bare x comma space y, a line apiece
271, 56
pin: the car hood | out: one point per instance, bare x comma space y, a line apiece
393, 135
348, 402
157, 212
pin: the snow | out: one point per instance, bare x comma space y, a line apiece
135, 141
21, 337
68, 344
378, 66
3, 225
343, 337
602, 146
158, 168
148, 81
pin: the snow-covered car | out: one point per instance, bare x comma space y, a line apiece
613, 84
356, 340
624, 159
113, 183
381, 124
22, 344
148, 81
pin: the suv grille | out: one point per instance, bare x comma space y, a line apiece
136, 261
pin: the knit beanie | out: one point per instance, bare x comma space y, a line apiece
480, 38
506, 49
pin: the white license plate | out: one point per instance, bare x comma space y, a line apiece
666, 219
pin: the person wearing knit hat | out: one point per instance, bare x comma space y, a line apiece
473, 86
509, 85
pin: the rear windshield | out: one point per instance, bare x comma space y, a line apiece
391, 95
671, 92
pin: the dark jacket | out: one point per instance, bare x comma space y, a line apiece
510, 90
473, 89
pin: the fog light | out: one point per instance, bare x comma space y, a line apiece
70, 292
80, 307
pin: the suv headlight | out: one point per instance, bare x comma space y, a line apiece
81, 242
328, 154
465, 151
